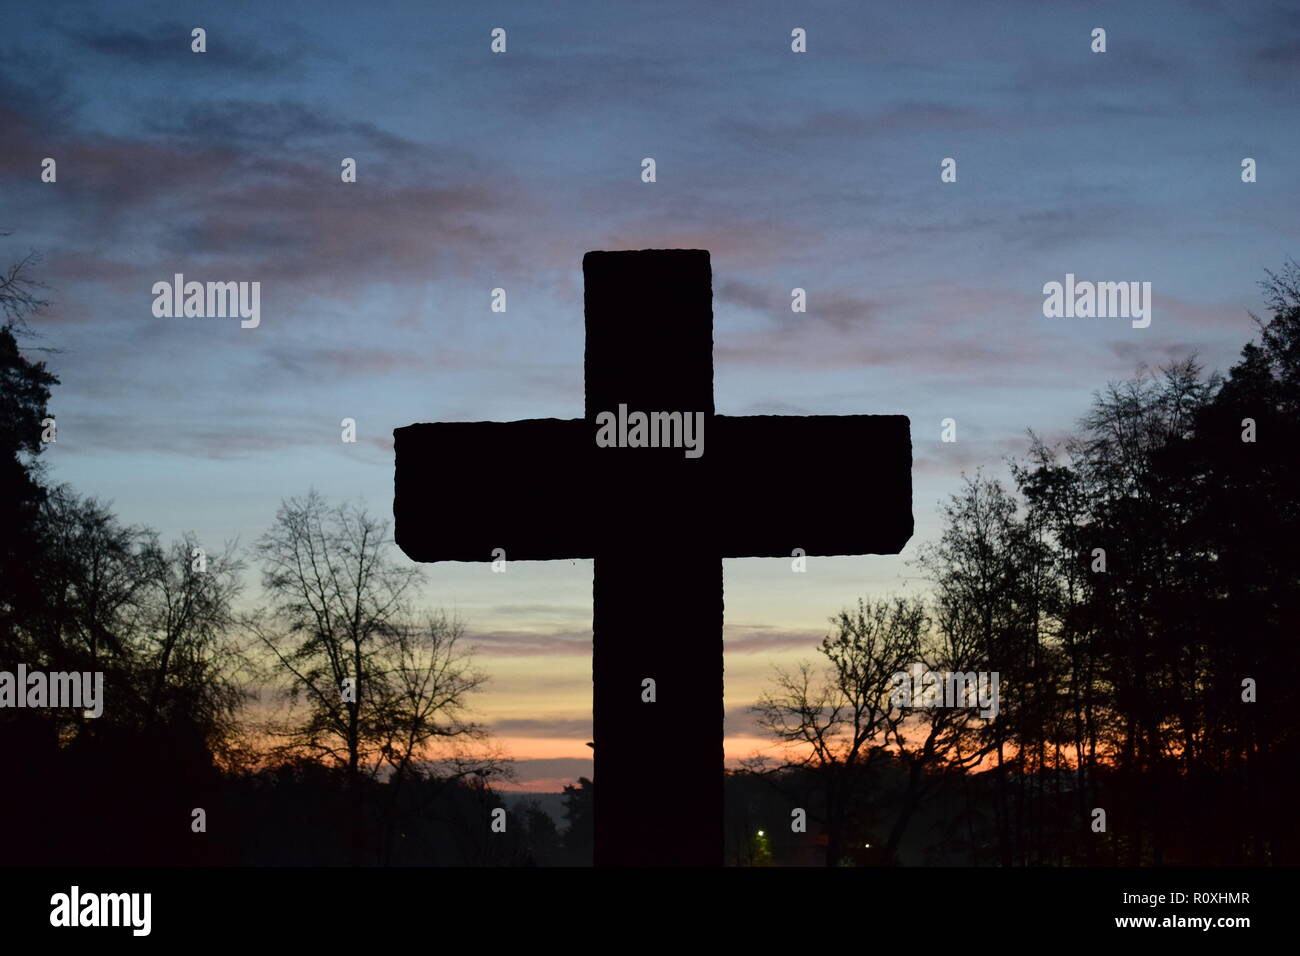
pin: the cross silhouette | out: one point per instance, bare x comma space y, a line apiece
657, 522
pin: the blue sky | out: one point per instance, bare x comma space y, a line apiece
477, 171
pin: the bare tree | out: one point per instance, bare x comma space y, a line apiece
426, 692
93, 578
20, 291
189, 641
985, 601
336, 602
371, 690
934, 743
112, 598
423, 722
838, 723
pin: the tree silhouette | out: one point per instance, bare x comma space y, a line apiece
839, 722
24, 396
371, 686
1138, 590
580, 835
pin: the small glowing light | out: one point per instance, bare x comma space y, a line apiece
866, 846
760, 832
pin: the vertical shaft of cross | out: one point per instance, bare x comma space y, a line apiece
659, 784
657, 604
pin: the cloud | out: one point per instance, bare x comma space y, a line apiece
544, 727
1272, 63
548, 774
285, 126
250, 189
163, 45
36, 107
952, 459
560, 643
840, 310
345, 361
126, 433
742, 722
763, 639
1150, 351
842, 126
536, 610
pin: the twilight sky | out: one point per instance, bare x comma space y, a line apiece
477, 171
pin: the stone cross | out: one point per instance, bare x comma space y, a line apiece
658, 517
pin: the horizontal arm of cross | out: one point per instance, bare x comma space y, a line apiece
541, 489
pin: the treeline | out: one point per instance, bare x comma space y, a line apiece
1137, 589
330, 724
